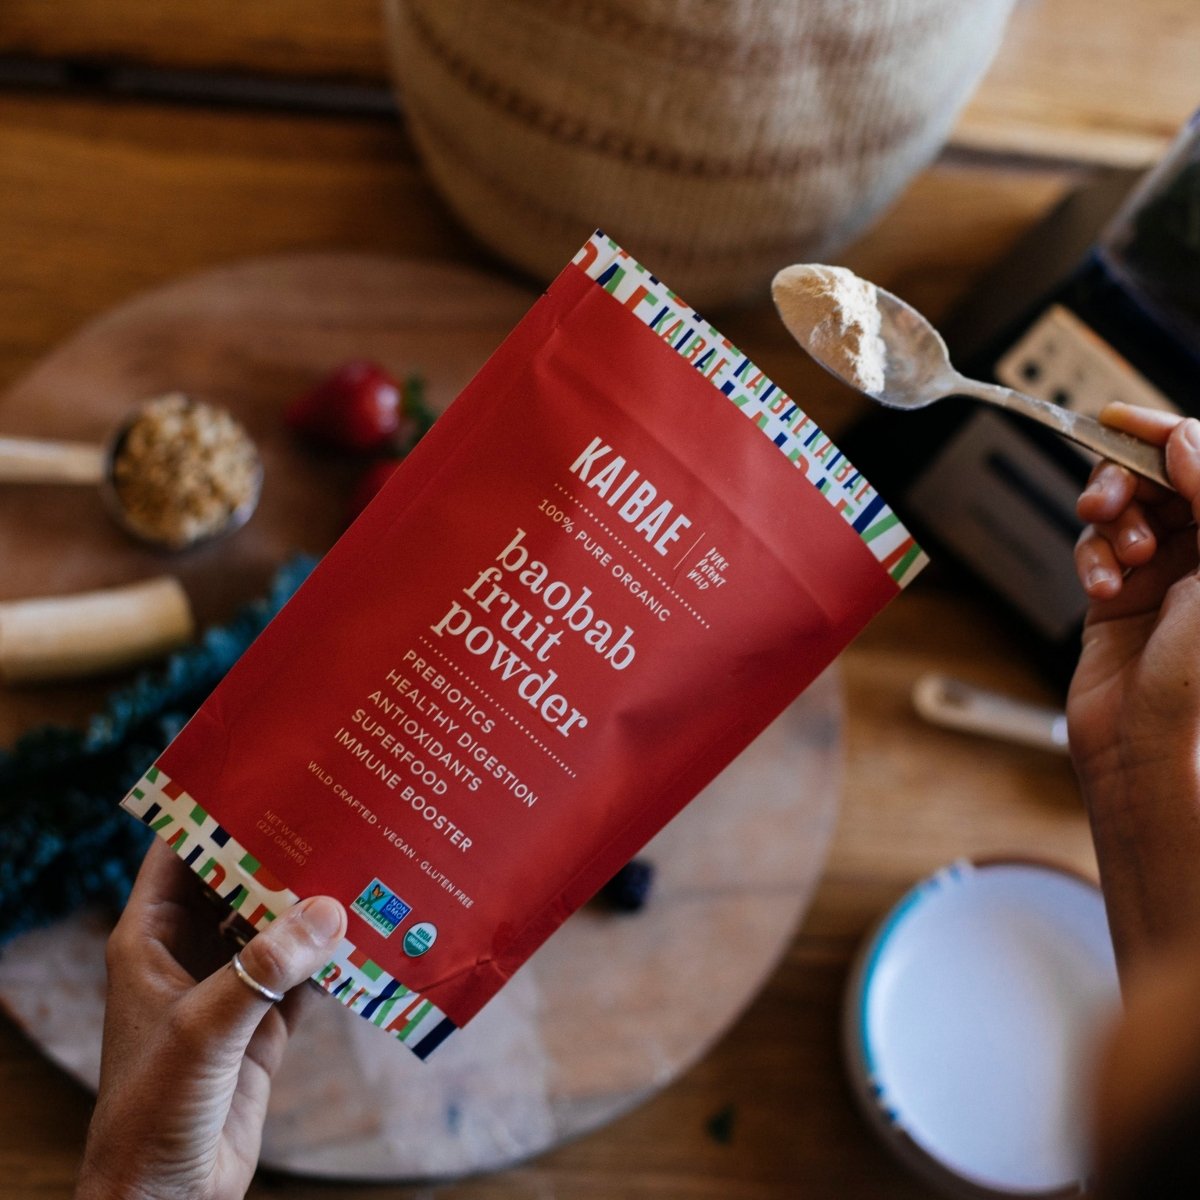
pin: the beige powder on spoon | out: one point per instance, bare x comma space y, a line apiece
834, 315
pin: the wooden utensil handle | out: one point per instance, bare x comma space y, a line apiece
31, 460
59, 637
957, 705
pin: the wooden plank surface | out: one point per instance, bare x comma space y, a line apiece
306, 39
109, 198
104, 199
1088, 80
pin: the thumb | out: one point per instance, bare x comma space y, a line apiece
282, 956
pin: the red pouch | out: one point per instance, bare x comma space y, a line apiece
617, 557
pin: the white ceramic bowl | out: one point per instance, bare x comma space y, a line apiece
970, 1023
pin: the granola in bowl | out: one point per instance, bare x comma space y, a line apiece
184, 471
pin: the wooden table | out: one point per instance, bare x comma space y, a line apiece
141, 141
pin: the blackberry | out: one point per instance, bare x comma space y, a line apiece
629, 889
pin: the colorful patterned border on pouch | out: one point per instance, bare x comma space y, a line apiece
251, 891
771, 409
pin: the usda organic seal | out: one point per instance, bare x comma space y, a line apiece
419, 938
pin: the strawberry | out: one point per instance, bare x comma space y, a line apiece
369, 482
356, 408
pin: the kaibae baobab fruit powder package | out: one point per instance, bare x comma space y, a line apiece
616, 558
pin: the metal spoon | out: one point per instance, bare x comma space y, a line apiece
918, 371
37, 460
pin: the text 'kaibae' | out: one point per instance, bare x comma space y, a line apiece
618, 484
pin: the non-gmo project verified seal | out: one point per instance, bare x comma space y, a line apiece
381, 908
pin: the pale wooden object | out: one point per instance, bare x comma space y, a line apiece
612, 1009
92, 633
38, 460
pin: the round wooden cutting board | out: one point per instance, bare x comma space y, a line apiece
613, 1007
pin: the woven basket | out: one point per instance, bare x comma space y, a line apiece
717, 140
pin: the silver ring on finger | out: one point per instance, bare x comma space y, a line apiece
259, 989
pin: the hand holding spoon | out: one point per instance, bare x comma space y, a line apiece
885, 349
